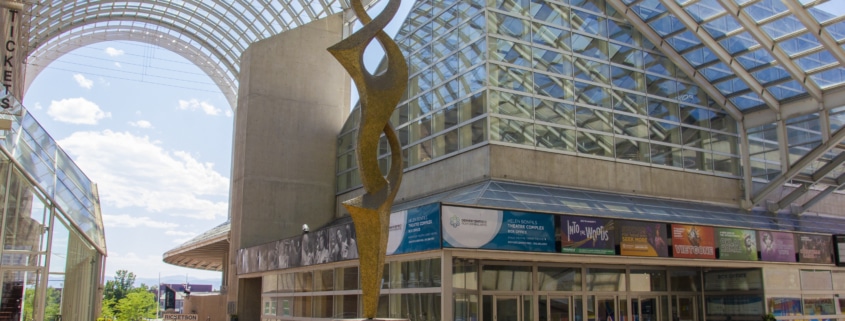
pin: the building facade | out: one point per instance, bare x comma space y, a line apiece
54, 249
590, 160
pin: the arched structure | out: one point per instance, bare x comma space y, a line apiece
211, 34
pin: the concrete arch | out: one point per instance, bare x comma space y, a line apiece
225, 80
211, 33
183, 27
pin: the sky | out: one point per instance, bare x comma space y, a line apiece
155, 134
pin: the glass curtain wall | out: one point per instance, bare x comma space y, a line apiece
53, 243
411, 291
562, 76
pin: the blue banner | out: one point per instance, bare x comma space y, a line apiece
477, 228
414, 230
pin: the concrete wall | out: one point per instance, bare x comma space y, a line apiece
539, 167
467, 168
206, 307
293, 99
525, 165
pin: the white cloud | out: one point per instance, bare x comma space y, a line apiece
76, 111
133, 171
118, 65
124, 220
141, 124
184, 236
207, 108
114, 52
38, 106
83, 82
149, 266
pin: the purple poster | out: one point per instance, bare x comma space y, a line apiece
643, 238
815, 248
776, 246
587, 235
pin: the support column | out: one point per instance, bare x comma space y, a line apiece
293, 99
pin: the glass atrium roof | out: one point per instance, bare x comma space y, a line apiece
752, 55
210, 33
770, 64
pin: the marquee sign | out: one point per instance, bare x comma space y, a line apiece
11, 74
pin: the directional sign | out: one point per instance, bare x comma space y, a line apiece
181, 317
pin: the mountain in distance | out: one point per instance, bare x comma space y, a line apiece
179, 279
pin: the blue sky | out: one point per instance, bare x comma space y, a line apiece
155, 134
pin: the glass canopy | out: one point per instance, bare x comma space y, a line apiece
211, 33
778, 67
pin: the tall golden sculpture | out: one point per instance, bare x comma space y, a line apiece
379, 95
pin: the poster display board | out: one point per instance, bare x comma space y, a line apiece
643, 239
693, 242
814, 248
839, 243
776, 246
733, 280
735, 305
476, 228
587, 235
737, 244
414, 230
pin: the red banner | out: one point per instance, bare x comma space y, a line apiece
693, 242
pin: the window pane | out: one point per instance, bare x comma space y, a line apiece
559, 279
510, 278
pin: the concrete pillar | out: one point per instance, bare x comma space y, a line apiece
293, 99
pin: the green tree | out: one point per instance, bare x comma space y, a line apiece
136, 306
123, 283
52, 308
108, 310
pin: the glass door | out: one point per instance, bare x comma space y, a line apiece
507, 308
605, 309
645, 308
686, 309
555, 308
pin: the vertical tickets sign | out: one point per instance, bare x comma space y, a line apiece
587, 235
693, 242
12, 71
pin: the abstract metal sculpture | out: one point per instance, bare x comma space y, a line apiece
379, 95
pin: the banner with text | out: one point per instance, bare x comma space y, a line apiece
776, 246
587, 235
477, 228
693, 242
815, 249
414, 230
11, 87
643, 239
737, 244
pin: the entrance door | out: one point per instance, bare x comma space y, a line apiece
645, 308
605, 309
556, 308
686, 309
507, 308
